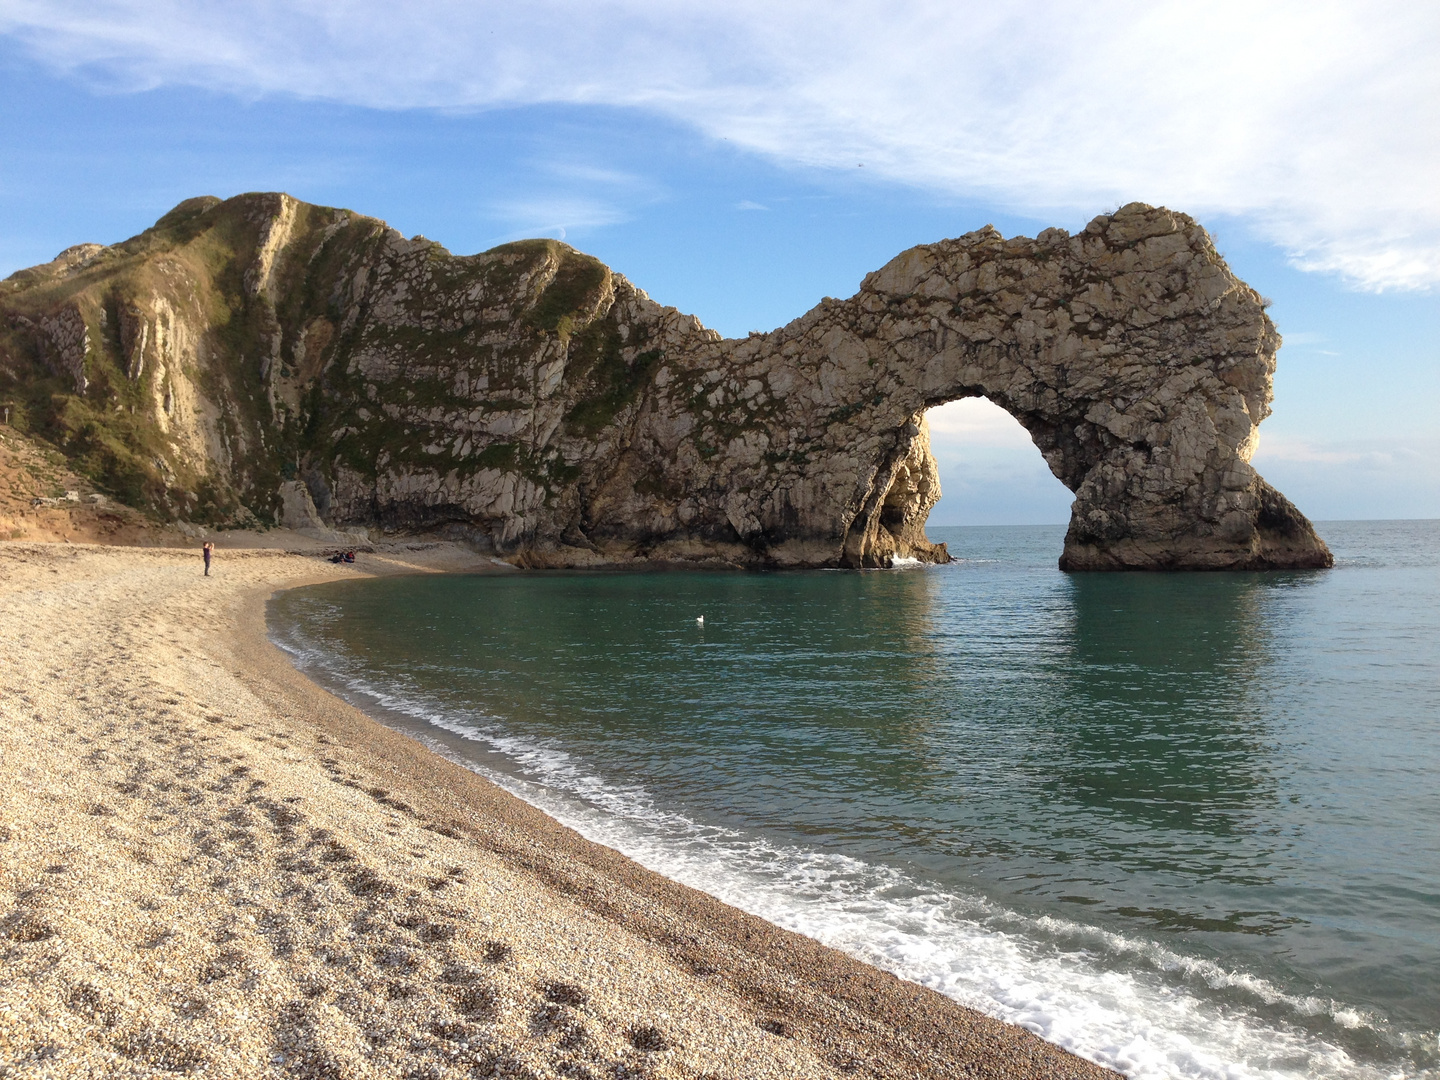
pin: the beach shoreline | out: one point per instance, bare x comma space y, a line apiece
209, 862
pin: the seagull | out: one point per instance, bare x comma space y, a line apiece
700, 621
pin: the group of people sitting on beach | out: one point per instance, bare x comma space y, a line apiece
343, 556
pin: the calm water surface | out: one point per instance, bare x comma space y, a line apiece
1185, 825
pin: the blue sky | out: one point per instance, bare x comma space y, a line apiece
741, 164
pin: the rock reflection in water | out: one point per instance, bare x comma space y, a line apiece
1163, 704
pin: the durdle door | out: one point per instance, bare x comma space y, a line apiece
265, 359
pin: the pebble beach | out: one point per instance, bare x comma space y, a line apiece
211, 866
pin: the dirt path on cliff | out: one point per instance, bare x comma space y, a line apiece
208, 865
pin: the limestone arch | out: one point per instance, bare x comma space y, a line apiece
1137, 361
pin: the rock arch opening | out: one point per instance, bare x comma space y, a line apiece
990, 470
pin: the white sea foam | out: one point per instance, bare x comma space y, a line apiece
1127, 1003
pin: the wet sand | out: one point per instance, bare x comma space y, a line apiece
210, 865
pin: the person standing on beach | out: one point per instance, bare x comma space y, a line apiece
208, 551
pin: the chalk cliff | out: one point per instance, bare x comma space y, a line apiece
265, 359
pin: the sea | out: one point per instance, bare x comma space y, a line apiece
1186, 825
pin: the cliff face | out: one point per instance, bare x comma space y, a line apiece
266, 359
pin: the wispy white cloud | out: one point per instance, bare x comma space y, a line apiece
1315, 122
746, 204
1310, 342
588, 173
1384, 455
1313, 453
556, 216
572, 195
1354, 478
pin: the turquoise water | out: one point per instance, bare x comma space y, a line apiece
1185, 825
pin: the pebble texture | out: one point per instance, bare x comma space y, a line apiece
532, 402
209, 867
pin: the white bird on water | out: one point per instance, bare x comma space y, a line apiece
700, 620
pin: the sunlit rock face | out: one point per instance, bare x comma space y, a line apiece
534, 403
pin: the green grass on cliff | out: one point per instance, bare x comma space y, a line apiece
575, 288
459, 319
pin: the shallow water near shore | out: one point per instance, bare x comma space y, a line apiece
1185, 825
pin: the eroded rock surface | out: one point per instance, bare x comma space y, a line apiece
532, 401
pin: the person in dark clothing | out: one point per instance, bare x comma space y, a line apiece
208, 551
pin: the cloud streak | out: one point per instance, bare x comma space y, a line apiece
543, 215
1374, 455
1315, 124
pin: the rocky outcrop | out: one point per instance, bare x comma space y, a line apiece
65, 342
542, 407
